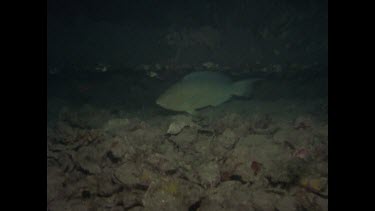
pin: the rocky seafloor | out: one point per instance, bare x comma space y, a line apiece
242, 155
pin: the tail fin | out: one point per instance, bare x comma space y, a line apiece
244, 88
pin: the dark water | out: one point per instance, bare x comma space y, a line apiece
115, 58
111, 48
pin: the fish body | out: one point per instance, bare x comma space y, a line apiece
201, 89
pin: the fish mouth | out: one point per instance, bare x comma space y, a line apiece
158, 102
162, 104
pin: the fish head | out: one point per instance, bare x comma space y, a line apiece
174, 100
165, 101
160, 101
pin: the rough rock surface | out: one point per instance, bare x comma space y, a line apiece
224, 162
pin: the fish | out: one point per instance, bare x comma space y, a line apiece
201, 89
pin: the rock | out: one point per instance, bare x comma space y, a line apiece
176, 127
185, 139
55, 180
320, 152
322, 131
287, 203
276, 158
314, 184
209, 174
188, 163
61, 132
302, 153
64, 160
283, 174
78, 205
131, 198
179, 122
322, 168
303, 122
208, 205
108, 202
150, 136
227, 139
223, 143
161, 162
171, 194
64, 137
120, 148
263, 125
262, 122
203, 146
58, 205
322, 204
295, 138
88, 158
260, 149
168, 149
104, 184
135, 176
117, 208
137, 208
230, 195
231, 121
264, 201
128, 174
